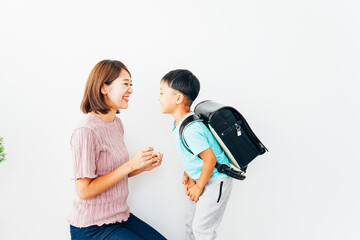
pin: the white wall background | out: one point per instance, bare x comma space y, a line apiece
290, 67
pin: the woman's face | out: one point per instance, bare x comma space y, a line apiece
118, 92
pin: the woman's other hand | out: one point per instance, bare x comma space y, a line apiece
156, 161
141, 158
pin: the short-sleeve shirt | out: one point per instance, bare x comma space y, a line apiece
199, 138
98, 148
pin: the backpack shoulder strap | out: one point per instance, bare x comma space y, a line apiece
190, 119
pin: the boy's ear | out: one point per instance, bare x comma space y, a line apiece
180, 98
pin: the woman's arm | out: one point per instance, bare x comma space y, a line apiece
87, 188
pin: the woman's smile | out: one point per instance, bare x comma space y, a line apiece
126, 98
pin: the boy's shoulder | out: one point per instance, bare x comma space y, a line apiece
197, 128
196, 136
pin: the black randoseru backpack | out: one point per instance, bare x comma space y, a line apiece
233, 134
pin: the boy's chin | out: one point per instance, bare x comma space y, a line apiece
163, 111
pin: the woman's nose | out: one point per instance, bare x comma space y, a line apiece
130, 90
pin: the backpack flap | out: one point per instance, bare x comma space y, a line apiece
206, 109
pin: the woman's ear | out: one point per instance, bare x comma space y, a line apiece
104, 89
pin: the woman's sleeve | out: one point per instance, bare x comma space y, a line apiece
84, 147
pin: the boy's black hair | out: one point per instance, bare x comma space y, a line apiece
185, 82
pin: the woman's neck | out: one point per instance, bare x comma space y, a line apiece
108, 117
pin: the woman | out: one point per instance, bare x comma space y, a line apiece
101, 161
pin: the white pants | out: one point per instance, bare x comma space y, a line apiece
203, 218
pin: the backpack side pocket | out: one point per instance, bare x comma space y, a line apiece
220, 191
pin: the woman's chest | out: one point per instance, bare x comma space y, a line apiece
113, 153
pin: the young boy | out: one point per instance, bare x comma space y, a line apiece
208, 190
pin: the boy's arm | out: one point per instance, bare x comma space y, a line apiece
208, 167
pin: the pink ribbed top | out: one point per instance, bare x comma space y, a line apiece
98, 148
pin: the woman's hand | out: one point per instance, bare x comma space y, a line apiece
156, 161
141, 159
145, 160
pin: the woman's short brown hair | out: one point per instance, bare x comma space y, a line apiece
104, 72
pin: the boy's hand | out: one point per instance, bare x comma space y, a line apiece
188, 182
194, 192
188, 185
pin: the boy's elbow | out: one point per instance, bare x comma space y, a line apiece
208, 156
213, 161
210, 162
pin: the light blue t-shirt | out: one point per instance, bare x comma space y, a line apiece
199, 138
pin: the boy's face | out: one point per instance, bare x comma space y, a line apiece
167, 98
